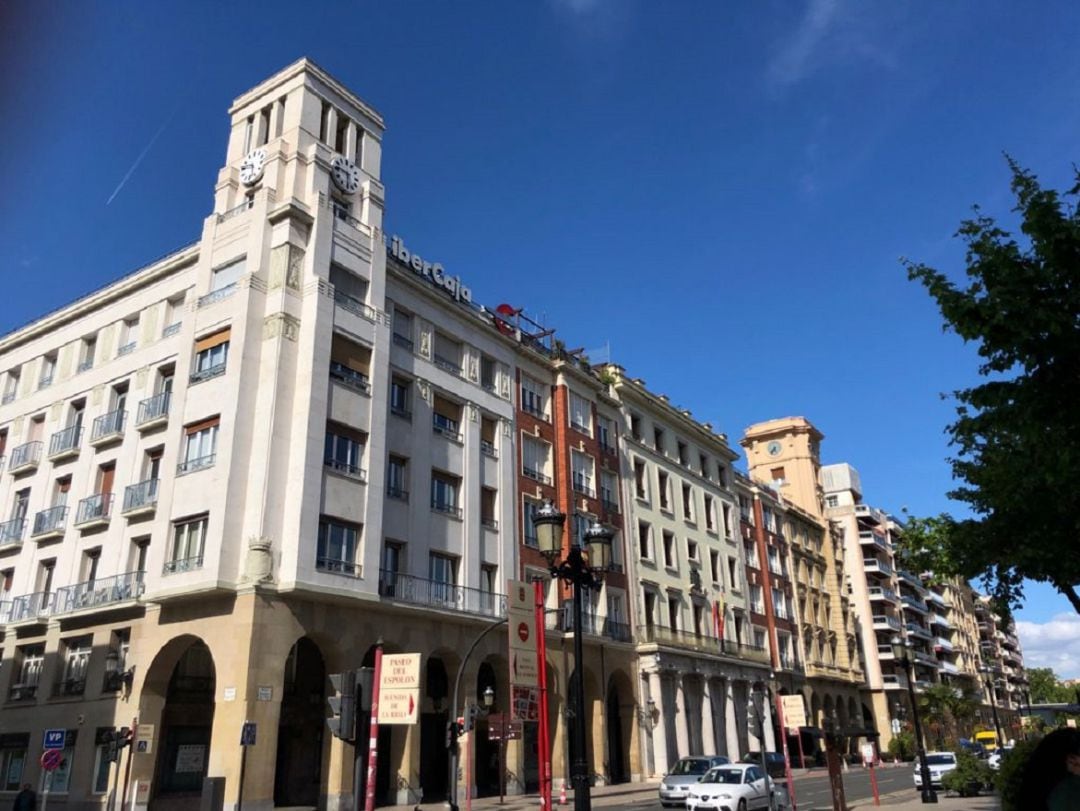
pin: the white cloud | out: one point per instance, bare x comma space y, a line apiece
1054, 644
829, 30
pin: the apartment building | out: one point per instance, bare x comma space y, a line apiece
816, 649
1002, 682
698, 652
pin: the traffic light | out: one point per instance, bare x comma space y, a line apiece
342, 721
454, 730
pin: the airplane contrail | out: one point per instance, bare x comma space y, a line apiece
142, 155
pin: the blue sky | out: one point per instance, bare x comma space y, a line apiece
719, 191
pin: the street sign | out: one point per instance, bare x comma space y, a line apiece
51, 759
895, 726
247, 734
794, 709
521, 621
501, 728
524, 703
54, 739
144, 739
399, 688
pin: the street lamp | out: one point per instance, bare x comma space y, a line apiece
489, 697
902, 654
984, 669
580, 572
757, 706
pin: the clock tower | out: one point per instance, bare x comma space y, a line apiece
787, 452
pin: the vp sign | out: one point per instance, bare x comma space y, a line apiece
54, 739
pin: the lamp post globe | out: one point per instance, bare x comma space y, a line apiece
902, 654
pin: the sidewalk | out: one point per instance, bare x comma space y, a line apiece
909, 801
620, 796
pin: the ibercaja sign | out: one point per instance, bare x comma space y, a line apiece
433, 272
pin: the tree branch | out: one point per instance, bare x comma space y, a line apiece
1070, 593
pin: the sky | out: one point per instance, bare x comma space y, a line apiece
720, 193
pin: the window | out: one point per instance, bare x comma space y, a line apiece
397, 478
580, 414
714, 566
444, 493
777, 474
30, 661
488, 375
665, 491
48, 370
87, 351
350, 291
674, 605
710, 514
658, 440
350, 363
488, 511
488, 434
102, 764
225, 278
400, 401
688, 503
344, 450
635, 427
45, 576
393, 555
582, 471
489, 578
535, 457
76, 659
442, 572
403, 328
11, 385
670, 555
211, 354
446, 418
733, 578
528, 512
137, 554
447, 353
641, 481
651, 598
644, 541
129, 336
703, 465
726, 511
200, 445
691, 549
174, 311
779, 604
606, 434
189, 539
832, 501
534, 397
757, 603
338, 543
684, 452
13, 748
609, 490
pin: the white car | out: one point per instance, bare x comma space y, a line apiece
940, 763
994, 760
735, 787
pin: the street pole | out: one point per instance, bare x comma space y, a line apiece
928, 794
787, 758
993, 709
373, 738
580, 766
543, 743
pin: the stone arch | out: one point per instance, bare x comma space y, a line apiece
828, 709
437, 685
815, 709
299, 759
619, 714
490, 674
178, 696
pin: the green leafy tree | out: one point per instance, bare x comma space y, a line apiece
948, 711
970, 776
1046, 688
1017, 435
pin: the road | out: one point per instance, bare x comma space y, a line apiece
812, 790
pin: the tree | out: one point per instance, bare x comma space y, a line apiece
1016, 435
948, 710
1046, 689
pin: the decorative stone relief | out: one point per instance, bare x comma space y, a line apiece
259, 562
281, 324
286, 262
425, 390
425, 341
474, 369
504, 381
508, 429
474, 412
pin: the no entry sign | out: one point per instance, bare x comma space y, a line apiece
51, 759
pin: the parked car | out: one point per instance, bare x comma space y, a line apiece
995, 758
940, 764
976, 749
674, 786
736, 787
774, 762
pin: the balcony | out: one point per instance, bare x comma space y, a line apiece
911, 580
875, 566
101, 593
610, 505
563, 620
346, 469
171, 330
94, 511
355, 306
25, 457
927, 659
23, 692
351, 378
915, 604
937, 619
182, 565
73, 686
153, 411
923, 684
49, 523
950, 668
140, 499
126, 349
885, 653
938, 599
530, 407
446, 427
108, 428
918, 631
32, 606
873, 540
942, 645
196, 464
883, 622
868, 513
349, 568
488, 449
894, 681
404, 341
64, 444
883, 593
11, 532
536, 475
214, 296
446, 508
581, 487
208, 373
447, 364
436, 594
661, 635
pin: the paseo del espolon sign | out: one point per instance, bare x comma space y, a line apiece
433, 272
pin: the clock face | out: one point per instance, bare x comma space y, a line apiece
251, 170
773, 448
345, 174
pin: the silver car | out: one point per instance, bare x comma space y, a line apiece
675, 786
940, 764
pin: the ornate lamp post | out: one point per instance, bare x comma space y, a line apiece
984, 669
582, 568
902, 654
